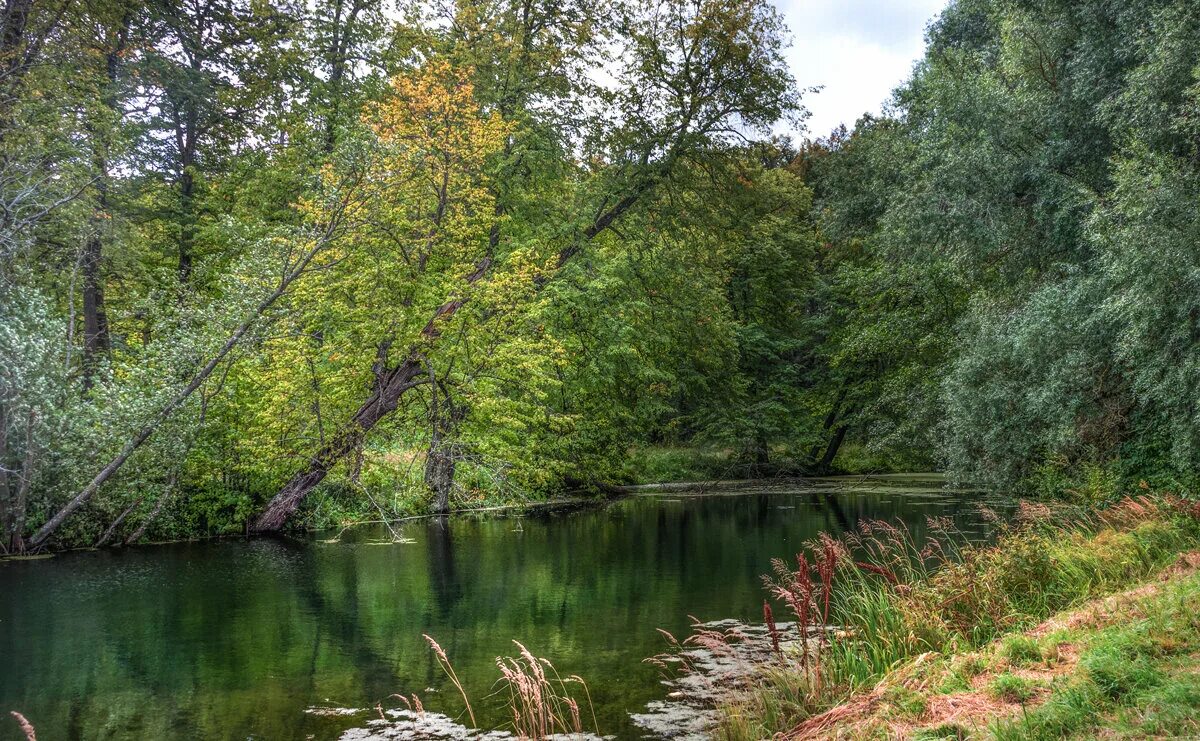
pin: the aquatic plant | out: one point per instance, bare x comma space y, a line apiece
538, 698
26, 726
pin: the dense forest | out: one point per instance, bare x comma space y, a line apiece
282, 264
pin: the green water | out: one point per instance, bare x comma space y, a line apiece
235, 639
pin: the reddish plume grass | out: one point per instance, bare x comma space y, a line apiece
880, 570
26, 726
807, 591
769, 619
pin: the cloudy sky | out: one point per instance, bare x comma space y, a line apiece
857, 49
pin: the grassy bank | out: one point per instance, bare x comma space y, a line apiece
947, 639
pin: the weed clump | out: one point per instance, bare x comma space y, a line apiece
1021, 650
1011, 688
876, 599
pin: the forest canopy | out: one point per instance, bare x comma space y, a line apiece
284, 264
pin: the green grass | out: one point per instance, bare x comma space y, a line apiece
1011, 688
951, 608
1021, 650
1138, 678
654, 464
856, 458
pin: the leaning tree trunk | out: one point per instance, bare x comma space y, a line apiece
291, 274
374, 409
382, 402
831, 450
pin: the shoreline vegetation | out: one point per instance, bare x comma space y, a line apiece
428, 260
828, 484
1074, 621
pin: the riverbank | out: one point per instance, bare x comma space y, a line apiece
1073, 622
1124, 665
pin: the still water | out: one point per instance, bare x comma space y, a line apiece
236, 639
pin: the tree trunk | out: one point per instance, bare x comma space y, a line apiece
762, 453
95, 321
382, 402
293, 272
187, 226
830, 419
439, 475
14, 58
831, 450
5, 494
442, 457
16, 541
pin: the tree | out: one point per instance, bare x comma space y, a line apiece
716, 66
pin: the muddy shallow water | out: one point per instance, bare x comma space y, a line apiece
245, 638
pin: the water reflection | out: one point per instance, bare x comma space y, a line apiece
235, 639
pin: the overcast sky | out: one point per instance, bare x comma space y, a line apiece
857, 49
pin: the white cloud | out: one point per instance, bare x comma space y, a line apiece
857, 50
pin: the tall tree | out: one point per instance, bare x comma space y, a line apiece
694, 72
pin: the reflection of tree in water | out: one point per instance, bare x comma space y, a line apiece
833, 509
443, 577
335, 616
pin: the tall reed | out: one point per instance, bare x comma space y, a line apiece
538, 698
26, 726
877, 597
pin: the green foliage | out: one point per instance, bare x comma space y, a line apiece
1131, 680
575, 269
1020, 650
1011, 688
995, 279
1030, 212
657, 463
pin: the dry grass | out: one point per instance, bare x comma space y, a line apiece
26, 726
978, 707
539, 700
447, 667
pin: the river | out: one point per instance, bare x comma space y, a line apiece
238, 639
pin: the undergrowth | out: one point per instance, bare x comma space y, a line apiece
876, 598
